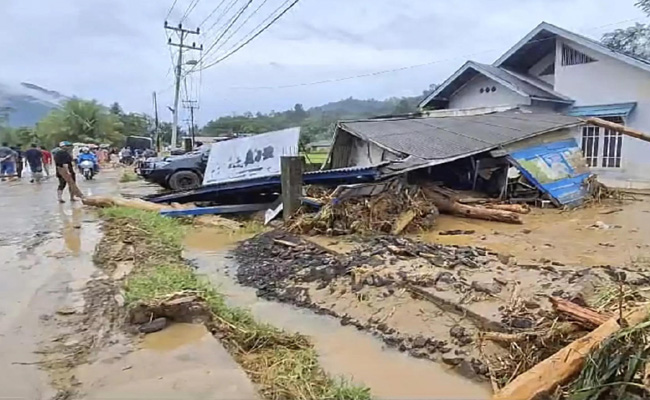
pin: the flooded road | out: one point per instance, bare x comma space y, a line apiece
46, 252
343, 350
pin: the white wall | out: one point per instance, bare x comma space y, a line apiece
609, 81
469, 96
541, 65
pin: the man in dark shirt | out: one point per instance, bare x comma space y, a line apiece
19, 161
63, 159
34, 158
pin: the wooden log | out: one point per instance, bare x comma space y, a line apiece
515, 208
563, 365
403, 221
626, 130
585, 316
205, 220
72, 185
447, 205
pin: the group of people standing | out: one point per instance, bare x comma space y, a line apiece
13, 159
39, 160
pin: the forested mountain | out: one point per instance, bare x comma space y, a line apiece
316, 122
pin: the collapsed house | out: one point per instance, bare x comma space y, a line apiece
514, 153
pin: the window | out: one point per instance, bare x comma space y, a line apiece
602, 147
590, 136
572, 56
612, 144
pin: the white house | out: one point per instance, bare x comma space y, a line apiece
561, 71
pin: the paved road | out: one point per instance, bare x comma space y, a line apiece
45, 252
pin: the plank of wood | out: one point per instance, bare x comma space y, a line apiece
285, 243
226, 209
403, 221
563, 365
585, 316
72, 185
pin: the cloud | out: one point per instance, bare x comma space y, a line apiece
115, 50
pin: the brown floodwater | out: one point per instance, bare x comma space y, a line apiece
564, 236
173, 337
343, 350
211, 239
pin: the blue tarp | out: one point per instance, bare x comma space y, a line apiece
558, 169
603, 110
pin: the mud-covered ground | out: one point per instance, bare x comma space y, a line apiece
429, 300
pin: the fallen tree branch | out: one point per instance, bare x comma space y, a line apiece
585, 316
515, 208
563, 365
446, 204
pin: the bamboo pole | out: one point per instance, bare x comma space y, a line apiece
563, 365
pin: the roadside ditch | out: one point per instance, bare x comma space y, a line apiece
161, 287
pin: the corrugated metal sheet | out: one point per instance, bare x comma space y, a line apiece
558, 169
437, 138
603, 110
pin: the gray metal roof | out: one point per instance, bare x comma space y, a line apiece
441, 138
525, 86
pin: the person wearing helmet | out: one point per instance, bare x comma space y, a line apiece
63, 159
86, 154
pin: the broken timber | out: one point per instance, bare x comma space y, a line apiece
447, 204
618, 128
563, 365
584, 316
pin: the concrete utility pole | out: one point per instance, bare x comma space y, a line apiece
291, 178
156, 131
191, 105
182, 34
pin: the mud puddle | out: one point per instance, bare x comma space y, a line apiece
173, 337
342, 350
209, 240
612, 233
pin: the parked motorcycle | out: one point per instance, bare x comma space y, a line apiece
87, 169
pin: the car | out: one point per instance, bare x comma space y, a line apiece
182, 172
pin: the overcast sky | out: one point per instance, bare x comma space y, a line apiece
115, 50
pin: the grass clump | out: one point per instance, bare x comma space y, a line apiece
128, 176
284, 366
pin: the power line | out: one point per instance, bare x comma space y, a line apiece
212, 13
236, 49
386, 71
223, 14
189, 9
244, 23
230, 24
171, 8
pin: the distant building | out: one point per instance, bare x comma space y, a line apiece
320, 146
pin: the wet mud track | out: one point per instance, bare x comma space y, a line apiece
46, 252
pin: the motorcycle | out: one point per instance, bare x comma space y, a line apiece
127, 160
87, 168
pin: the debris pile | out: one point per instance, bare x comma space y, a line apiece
394, 210
433, 301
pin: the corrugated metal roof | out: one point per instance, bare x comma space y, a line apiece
436, 138
558, 169
603, 110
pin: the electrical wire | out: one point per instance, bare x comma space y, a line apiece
237, 48
223, 14
212, 13
189, 10
386, 71
230, 25
244, 23
170, 9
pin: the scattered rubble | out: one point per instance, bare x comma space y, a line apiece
394, 288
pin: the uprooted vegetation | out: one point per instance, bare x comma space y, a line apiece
162, 284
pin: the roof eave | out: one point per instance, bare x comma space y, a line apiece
545, 26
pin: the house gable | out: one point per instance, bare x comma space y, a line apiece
482, 91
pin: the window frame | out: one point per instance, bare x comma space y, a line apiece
597, 152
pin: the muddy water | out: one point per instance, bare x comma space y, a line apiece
566, 236
173, 337
45, 259
342, 350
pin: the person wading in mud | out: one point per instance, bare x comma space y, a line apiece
47, 160
34, 158
63, 159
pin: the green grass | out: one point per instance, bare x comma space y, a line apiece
284, 366
316, 157
128, 176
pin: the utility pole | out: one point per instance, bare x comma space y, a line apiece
191, 105
182, 34
156, 131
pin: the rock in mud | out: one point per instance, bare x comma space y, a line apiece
156, 325
450, 358
419, 342
491, 288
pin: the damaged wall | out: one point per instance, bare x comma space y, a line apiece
351, 151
